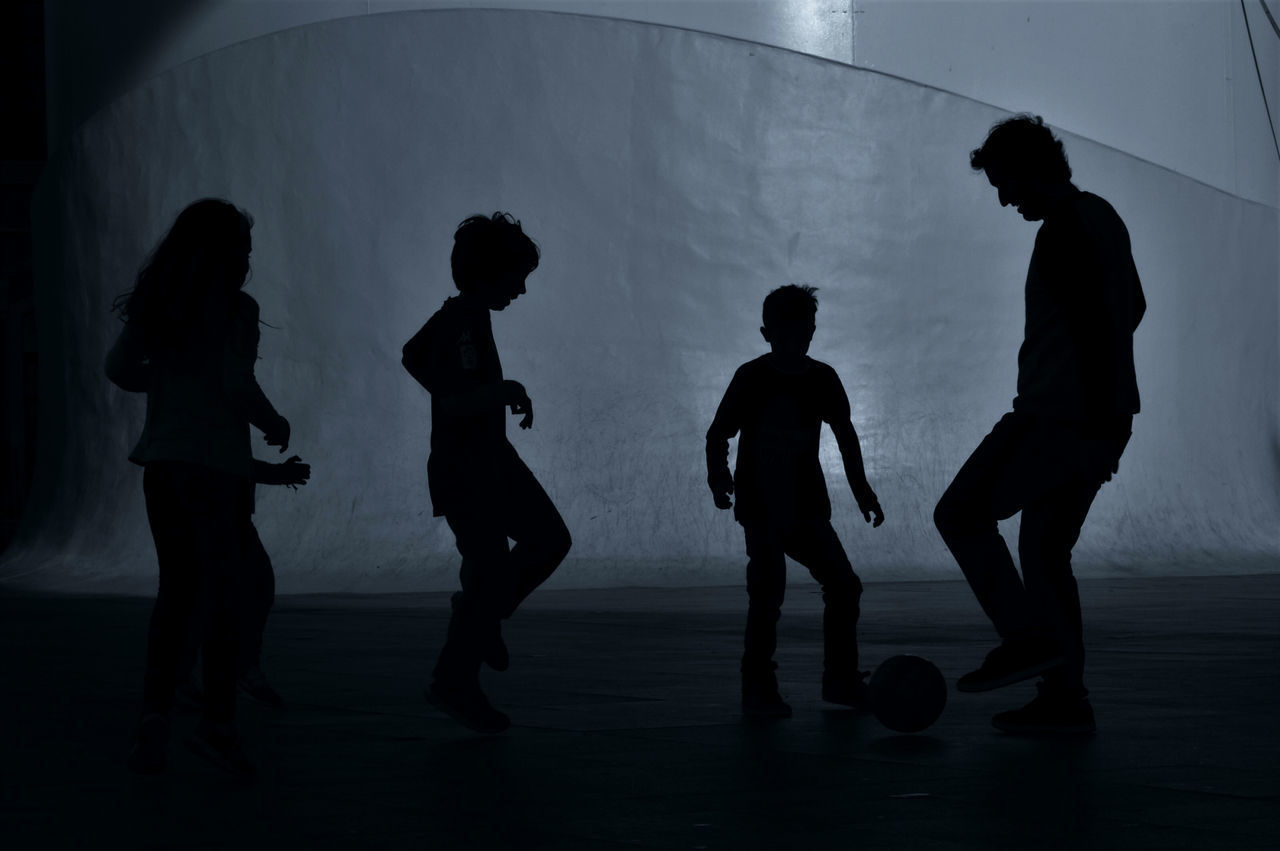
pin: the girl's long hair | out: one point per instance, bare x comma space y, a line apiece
186, 286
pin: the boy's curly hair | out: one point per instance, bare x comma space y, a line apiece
790, 303
487, 246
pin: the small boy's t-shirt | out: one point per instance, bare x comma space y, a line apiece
779, 416
453, 353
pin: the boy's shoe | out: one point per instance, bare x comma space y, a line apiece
1012, 662
150, 752
254, 684
1049, 713
847, 691
468, 706
220, 745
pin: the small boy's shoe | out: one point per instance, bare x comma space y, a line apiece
150, 752
847, 691
220, 745
254, 684
467, 705
1049, 713
1012, 662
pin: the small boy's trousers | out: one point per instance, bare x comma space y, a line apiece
812, 543
495, 576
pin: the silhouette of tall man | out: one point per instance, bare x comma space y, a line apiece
1071, 420
478, 483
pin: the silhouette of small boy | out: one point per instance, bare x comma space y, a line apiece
477, 481
777, 403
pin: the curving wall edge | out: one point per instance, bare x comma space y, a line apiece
671, 179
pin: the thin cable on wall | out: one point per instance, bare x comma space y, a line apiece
1266, 11
1249, 32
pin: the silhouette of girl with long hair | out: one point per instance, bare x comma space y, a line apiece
189, 342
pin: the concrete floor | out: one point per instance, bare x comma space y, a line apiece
627, 732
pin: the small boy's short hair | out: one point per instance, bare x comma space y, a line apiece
488, 246
1024, 146
790, 303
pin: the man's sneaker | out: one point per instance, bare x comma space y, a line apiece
1012, 662
150, 752
847, 691
468, 706
254, 684
1048, 713
220, 745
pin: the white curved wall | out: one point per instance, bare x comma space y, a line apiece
671, 179
1171, 81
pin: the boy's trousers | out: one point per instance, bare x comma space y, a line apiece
812, 543
1047, 470
495, 576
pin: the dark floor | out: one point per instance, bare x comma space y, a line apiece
627, 731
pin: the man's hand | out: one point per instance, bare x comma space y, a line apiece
721, 488
278, 435
293, 472
869, 504
514, 396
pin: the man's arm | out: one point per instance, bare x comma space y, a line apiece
841, 422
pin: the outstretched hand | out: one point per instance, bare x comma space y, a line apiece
293, 472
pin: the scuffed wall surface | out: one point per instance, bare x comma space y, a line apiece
671, 180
